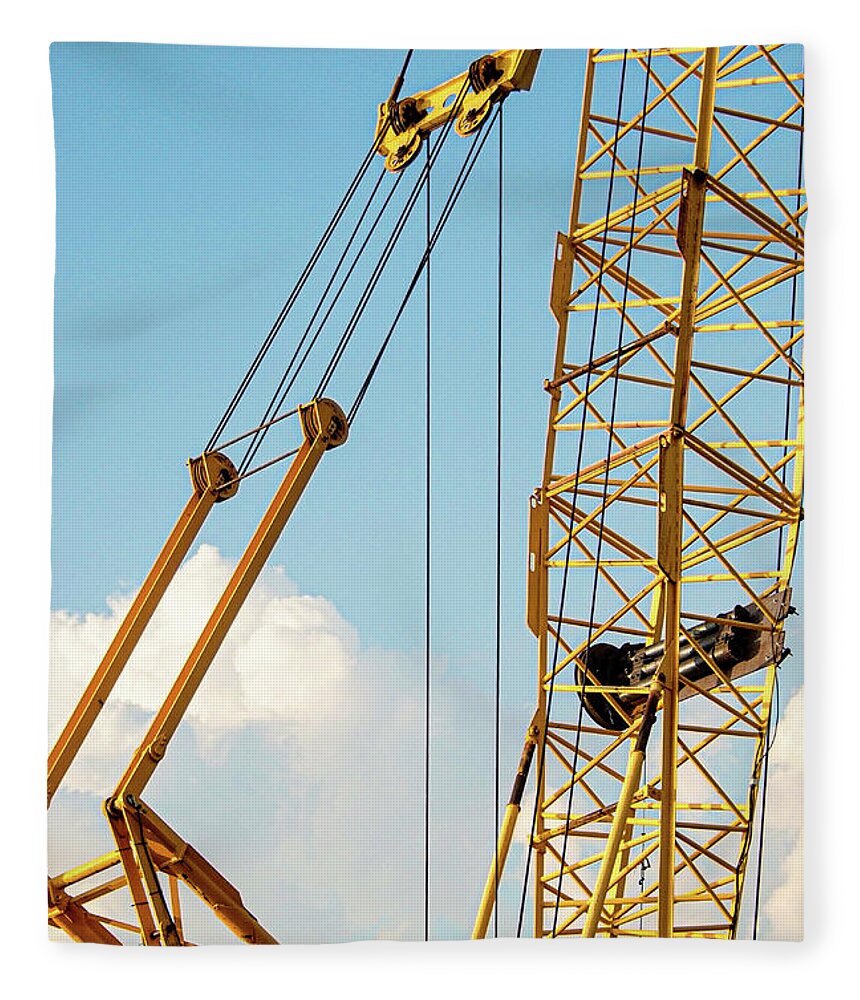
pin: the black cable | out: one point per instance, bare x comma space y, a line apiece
296, 291
401, 76
459, 184
427, 557
602, 519
388, 250
771, 715
278, 399
563, 594
498, 513
370, 286
282, 392
398, 83
791, 348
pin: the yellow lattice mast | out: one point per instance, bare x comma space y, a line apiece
663, 536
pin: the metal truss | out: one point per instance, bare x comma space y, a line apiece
146, 847
671, 487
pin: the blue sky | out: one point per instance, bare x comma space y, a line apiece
192, 183
185, 210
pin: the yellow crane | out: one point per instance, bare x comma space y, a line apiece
664, 532
146, 847
653, 590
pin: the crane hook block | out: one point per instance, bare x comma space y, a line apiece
214, 472
403, 125
324, 417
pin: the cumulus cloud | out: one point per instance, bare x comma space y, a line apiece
282, 665
783, 863
299, 768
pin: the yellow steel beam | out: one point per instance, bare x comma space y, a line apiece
214, 479
509, 822
669, 528
71, 917
181, 862
324, 425
595, 887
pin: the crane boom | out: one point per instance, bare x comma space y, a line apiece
214, 479
672, 487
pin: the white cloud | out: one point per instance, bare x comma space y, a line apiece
783, 863
282, 665
299, 770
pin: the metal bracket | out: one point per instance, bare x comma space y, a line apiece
403, 125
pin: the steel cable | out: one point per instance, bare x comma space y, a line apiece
456, 191
427, 563
308, 269
611, 430
563, 592
388, 250
294, 294
775, 715
282, 392
498, 650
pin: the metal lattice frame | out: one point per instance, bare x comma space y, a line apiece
699, 265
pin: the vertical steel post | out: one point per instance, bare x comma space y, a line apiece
690, 221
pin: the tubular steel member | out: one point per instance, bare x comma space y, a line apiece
403, 125
213, 477
621, 819
509, 822
146, 846
691, 215
324, 427
677, 292
135, 828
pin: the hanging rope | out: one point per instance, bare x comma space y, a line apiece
281, 392
498, 511
294, 294
775, 715
427, 557
423, 178
274, 410
305, 275
453, 197
568, 544
298, 360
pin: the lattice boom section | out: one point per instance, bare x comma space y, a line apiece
617, 294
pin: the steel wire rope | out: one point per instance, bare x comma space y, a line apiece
453, 197
431, 237
306, 272
388, 250
427, 566
498, 650
281, 393
774, 716
602, 519
302, 280
568, 544
278, 398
